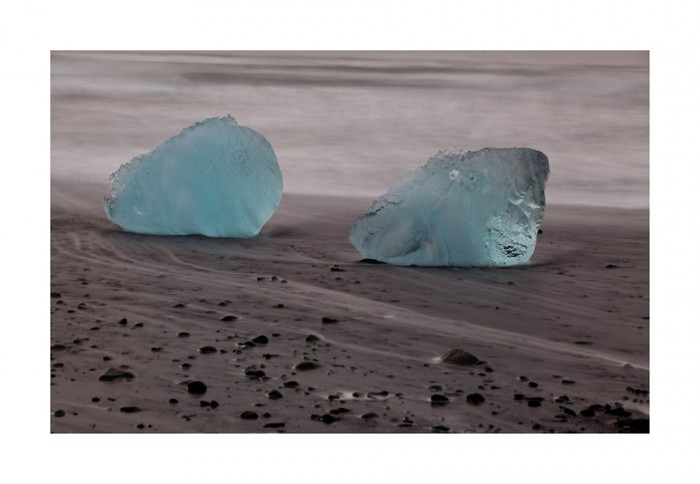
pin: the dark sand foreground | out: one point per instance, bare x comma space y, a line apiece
564, 341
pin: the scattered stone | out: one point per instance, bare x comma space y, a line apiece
475, 399
326, 320
196, 387
207, 350
568, 411
229, 318
59, 413
156, 349
438, 400
248, 415
173, 401
130, 409
369, 416
587, 412
638, 391
618, 412
339, 410
459, 357
378, 395
539, 231
261, 340
113, 374
311, 338
562, 399
326, 418
179, 306
183, 334
440, 429
518, 396
306, 366
532, 384
274, 425
291, 384
56, 294
123, 321
610, 266
58, 347
567, 382
531, 402
274, 395
335, 268
253, 374
95, 399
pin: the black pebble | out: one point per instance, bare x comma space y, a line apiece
475, 399
261, 340
274, 395
370, 416
438, 399
274, 425
587, 413
567, 382
255, 374
59, 413
123, 321
95, 399
156, 349
534, 403
173, 401
207, 350
229, 318
183, 334
291, 384
306, 366
440, 429
249, 415
179, 306
113, 374
130, 409
55, 294
326, 320
196, 387
532, 384
311, 338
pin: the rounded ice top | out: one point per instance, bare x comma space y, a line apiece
215, 178
462, 208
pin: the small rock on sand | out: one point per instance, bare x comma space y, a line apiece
249, 415
327, 320
306, 366
196, 387
261, 340
229, 318
113, 374
438, 400
475, 399
459, 357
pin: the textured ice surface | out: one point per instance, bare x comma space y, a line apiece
215, 178
461, 208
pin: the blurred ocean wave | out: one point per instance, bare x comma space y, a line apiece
353, 123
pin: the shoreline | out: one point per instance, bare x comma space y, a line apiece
566, 316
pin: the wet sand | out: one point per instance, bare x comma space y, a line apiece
562, 343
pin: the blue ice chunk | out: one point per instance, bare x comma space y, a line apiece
462, 208
215, 178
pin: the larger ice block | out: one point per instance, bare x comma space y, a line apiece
215, 178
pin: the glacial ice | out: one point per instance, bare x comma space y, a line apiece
462, 208
215, 178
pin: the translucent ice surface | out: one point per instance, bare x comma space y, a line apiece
215, 178
462, 208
